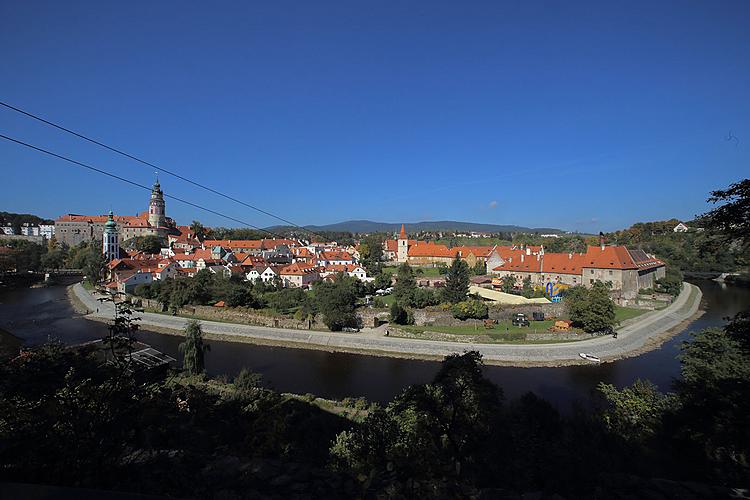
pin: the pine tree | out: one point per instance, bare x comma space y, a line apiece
193, 349
406, 284
456, 282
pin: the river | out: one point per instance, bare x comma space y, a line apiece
35, 314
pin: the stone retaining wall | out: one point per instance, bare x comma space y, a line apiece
234, 315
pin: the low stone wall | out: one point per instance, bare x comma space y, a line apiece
233, 315
435, 316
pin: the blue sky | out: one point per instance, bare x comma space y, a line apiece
583, 116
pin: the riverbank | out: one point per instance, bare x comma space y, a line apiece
648, 332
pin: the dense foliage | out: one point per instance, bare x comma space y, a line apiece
592, 308
470, 309
337, 302
71, 420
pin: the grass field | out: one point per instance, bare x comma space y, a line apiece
623, 313
419, 272
503, 327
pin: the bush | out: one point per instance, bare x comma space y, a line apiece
143, 291
247, 380
378, 303
467, 309
400, 315
423, 297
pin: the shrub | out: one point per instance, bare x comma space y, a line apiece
423, 297
467, 309
400, 315
378, 303
247, 380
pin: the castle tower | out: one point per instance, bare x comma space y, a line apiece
111, 239
403, 245
156, 209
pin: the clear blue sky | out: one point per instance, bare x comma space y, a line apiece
578, 115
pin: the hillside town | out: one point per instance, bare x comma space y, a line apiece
297, 263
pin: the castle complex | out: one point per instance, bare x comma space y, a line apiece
73, 229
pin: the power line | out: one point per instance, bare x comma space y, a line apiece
133, 183
149, 164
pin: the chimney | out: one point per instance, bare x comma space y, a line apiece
570, 256
521, 257
601, 240
528, 251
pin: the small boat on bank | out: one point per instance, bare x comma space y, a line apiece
589, 357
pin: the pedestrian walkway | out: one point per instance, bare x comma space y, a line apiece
631, 339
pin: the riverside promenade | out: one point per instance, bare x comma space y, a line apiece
644, 333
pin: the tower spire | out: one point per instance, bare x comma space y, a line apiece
402, 234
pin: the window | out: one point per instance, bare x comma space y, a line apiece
610, 272
592, 271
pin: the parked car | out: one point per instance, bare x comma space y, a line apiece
520, 319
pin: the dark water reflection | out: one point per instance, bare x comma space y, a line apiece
35, 314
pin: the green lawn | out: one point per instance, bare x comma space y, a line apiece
419, 272
503, 327
623, 313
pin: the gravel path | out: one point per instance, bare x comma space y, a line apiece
645, 333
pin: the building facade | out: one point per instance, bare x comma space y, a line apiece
74, 229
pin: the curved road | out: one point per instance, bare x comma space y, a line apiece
631, 338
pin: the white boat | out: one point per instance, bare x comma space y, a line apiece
589, 357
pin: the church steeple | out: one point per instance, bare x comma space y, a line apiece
402, 254
111, 239
156, 208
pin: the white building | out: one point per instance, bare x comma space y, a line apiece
680, 228
47, 230
29, 230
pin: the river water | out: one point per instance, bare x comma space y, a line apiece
35, 314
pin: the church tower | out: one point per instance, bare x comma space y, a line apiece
156, 210
403, 245
111, 239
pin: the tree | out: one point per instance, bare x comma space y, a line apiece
598, 313
337, 300
371, 250
198, 230
671, 283
406, 284
399, 315
635, 412
732, 219
508, 283
53, 259
193, 349
149, 244
480, 268
591, 309
456, 282
470, 309
711, 421
432, 432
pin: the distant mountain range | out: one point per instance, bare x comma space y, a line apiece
368, 226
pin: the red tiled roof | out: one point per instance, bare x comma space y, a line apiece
335, 255
614, 257
431, 249
297, 269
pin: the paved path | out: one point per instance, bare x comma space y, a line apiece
631, 338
